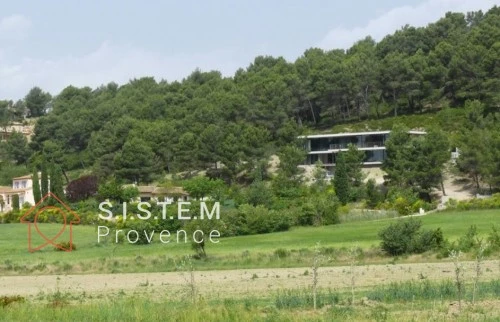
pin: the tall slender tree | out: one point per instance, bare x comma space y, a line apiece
44, 186
37, 194
56, 182
341, 179
15, 202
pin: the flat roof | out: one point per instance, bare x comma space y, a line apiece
347, 134
373, 148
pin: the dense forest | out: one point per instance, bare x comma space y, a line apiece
146, 128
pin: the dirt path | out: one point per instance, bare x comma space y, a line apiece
234, 283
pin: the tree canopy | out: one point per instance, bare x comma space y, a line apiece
207, 120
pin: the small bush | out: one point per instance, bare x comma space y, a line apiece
142, 227
320, 210
6, 300
494, 238
11, 217
492, 202
281, 253
401, 200
62, 246
405, 237
373, 195
403, 206
469, 240
427, 239
261, 220
306, 215
82, 188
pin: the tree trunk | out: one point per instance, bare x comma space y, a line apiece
65, 176
312, 111
395, 102
367, 105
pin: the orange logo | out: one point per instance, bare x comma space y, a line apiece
61, 209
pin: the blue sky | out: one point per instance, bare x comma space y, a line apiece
53, 44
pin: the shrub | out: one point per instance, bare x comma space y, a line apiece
261, 220
405, 237
129, 193
142, 227
82, 188
415, 207
427, 239
320, 210
397, 238
111, 190
401, 200
373, 195
6, 300
494, 238
281, 253
306, 215
258, 193
65, 246
469, 240
357, 193
11, 217
402, 206
492, 202
236, 223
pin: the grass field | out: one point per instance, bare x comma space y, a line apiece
404, 301
390, 292
229, 253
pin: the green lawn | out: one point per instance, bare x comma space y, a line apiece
14, 245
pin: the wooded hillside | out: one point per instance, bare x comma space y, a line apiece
147, 127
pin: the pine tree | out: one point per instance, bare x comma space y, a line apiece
341, 180
372, 194
354, 162
37, 195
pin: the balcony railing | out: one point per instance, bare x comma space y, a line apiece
359, 145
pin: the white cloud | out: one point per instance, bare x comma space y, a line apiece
14, 27
419, 15
109, 63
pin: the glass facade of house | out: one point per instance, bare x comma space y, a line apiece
371, 156
361, 141
325, 148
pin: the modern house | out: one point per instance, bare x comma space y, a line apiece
21, 186
325, 147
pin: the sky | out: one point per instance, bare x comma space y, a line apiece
54, 44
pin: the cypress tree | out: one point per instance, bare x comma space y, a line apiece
37, 195
341, 180
56, 182
15, 202
44, 180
